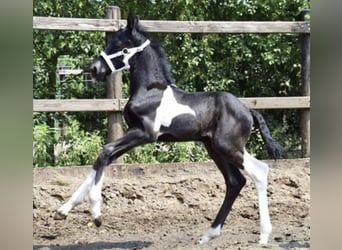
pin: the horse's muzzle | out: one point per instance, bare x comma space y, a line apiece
99, 70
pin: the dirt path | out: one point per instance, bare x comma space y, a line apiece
169, 206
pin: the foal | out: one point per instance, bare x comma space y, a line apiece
158, 110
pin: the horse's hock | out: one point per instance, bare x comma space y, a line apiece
165, 206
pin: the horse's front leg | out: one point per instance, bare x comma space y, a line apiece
92, 185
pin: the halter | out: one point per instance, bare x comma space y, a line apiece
127, 53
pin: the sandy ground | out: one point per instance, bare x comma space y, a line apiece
169, 206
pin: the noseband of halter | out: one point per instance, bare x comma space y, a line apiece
127, 53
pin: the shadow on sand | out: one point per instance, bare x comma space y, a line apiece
97, 245
295, 244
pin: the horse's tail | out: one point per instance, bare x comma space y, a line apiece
273, 147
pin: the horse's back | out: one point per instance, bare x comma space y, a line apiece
215, 102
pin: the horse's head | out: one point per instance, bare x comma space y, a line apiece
123, 45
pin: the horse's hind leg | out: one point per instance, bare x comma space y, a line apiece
234, 183
258, 171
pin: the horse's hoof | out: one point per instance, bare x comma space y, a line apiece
210, 234
263, 239
60, 216
202, 241
98, 221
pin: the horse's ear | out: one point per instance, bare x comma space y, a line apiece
132, 22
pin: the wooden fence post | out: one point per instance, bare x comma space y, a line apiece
114, 87
305, 114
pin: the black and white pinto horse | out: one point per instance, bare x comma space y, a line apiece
158, 110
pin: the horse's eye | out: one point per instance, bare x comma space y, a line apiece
125, 51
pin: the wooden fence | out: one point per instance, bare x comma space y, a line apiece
115, 104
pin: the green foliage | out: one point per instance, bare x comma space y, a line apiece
285, 133
245, 64
167, 152
73, 147
41, 140
78, 147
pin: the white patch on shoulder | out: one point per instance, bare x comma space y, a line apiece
168, 109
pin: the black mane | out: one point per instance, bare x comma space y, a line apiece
166, 67
165, 64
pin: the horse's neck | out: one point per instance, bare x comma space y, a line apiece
147, 70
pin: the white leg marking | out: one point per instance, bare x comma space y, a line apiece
79, 195
258, 171
210, 234
168, 109
96, 198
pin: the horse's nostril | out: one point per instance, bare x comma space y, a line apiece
93, 70
96, 68
97, 71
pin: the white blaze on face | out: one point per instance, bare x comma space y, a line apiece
168, 109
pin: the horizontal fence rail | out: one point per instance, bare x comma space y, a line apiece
85, 105
110, 25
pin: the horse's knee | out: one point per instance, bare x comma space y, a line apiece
104, 157
107, 150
